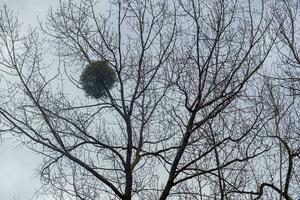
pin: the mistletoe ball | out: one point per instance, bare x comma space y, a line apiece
97, 79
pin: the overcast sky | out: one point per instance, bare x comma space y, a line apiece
18, 179
28, 10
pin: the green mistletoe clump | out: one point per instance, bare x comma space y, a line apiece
97, 79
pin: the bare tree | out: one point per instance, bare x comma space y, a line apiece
186, 118
282, 97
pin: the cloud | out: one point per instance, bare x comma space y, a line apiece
29, 10
18, 178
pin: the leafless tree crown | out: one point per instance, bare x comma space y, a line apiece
205, 103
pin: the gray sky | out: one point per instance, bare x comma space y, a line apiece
28, 10
18, 178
